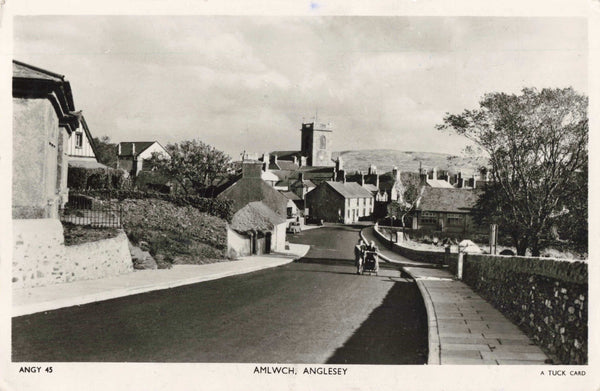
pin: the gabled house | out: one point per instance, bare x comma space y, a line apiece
301, 186
446, 210
81, 148
294, 204
250, 187
132, 154
44, 118
339, 202
260, 211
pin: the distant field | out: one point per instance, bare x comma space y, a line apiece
386, 159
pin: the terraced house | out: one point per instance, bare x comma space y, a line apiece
345, 202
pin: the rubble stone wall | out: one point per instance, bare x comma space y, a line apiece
40, 257
546, 298
102, 258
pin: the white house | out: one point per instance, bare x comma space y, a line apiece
81, 148
131, 154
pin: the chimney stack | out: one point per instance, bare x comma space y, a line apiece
133, 149
119, 153
362, 179
435, 173
396, 173
251, 169
377, 181
344, 177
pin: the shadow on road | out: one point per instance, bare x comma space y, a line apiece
343, 262
394, 333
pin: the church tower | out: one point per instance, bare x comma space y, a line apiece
316, 143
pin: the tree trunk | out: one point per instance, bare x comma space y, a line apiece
521, 245
535, 247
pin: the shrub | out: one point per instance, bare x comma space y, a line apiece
213, 206
79, 178
180, 233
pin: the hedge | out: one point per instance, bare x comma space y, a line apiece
216, 207
80, 178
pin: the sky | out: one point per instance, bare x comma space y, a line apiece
248, 82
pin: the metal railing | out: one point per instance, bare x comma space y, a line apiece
83, 210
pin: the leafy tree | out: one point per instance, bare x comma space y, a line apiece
410, 190
537, 146
193, 164
106, 152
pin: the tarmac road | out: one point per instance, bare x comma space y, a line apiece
316, 310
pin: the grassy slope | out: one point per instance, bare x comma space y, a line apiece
385, 159
180, 234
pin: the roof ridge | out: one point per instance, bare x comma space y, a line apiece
41, 70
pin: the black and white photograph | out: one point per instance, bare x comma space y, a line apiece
324, 198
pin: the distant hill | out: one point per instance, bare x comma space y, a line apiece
386, 159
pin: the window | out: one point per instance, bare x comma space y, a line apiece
428, 218
455, 219
78, 140
322, 142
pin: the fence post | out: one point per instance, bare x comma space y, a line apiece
459, 266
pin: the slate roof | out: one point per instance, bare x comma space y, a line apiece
290, 195
314, 174
140, 146
27, 71
439, 183
372, 188
286, 155
451, 200
33, 82
248, 190
286, 165
90, 163
349, 189
255, 217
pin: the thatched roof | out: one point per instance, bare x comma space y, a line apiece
255, 217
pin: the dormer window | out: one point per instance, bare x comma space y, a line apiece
78, 140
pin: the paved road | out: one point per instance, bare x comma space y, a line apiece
315, 310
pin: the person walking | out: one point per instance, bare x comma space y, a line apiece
359, 251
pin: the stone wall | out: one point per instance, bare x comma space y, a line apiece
547, 298
38, 253
103, 258
40, 257
434, 257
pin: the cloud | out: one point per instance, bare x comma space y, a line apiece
247, 82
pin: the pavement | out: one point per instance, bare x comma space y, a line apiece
463, 327
32, 300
